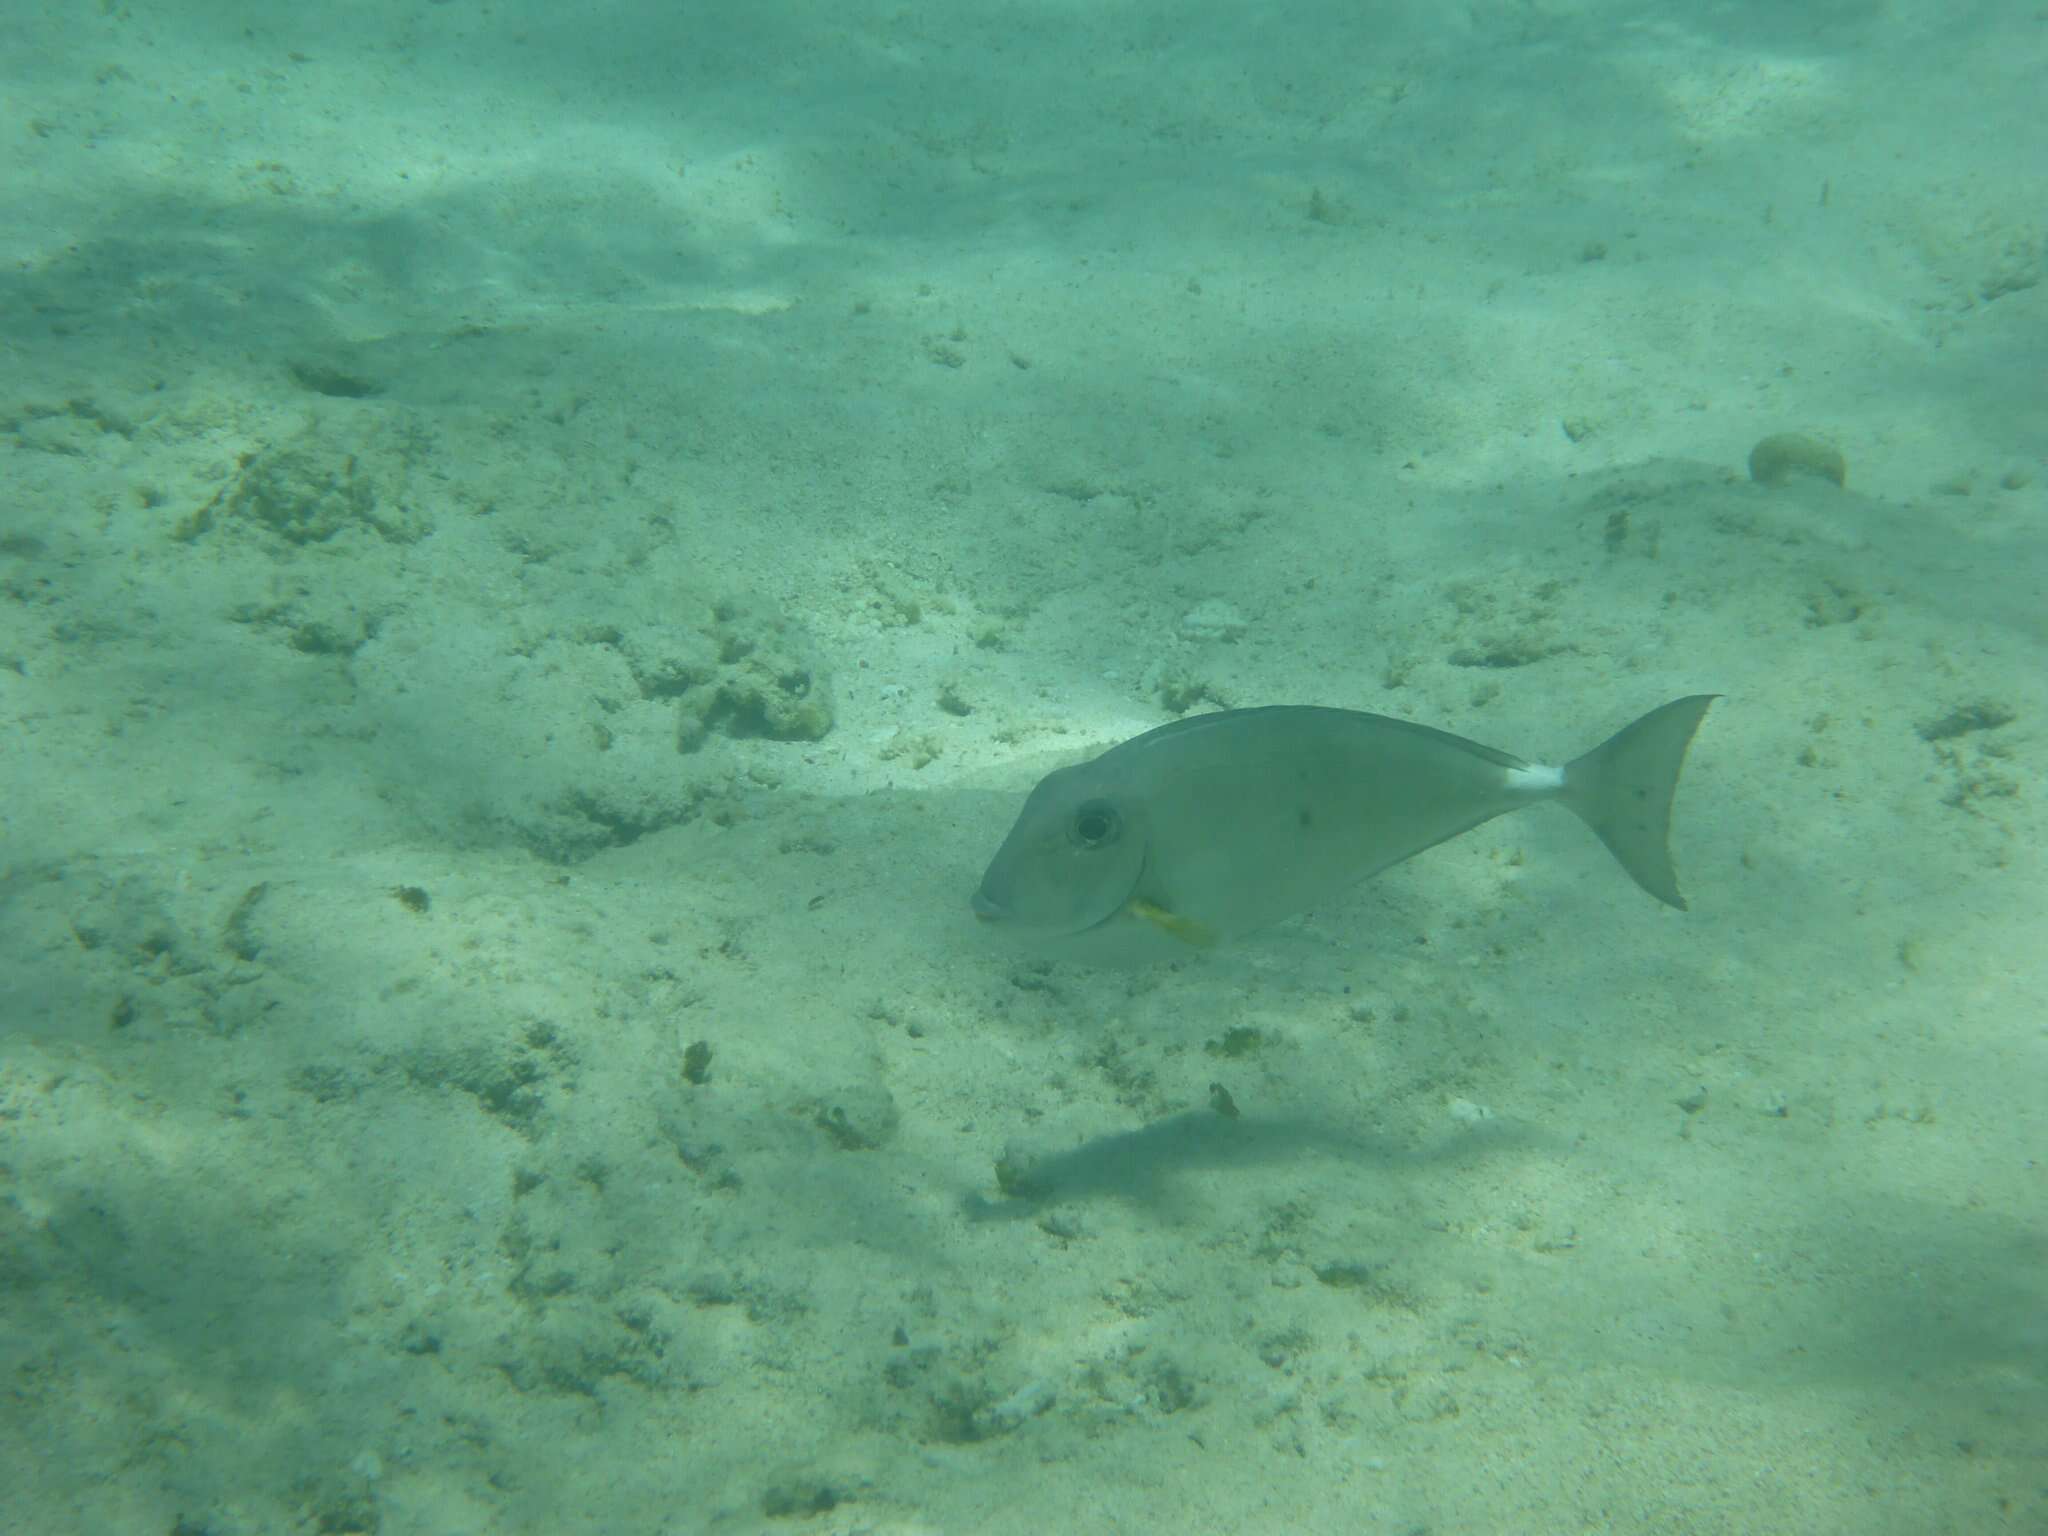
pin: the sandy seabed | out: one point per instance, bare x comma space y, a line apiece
543, 546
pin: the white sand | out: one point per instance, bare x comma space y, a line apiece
388, 398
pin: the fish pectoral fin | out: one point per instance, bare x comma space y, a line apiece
1186, 929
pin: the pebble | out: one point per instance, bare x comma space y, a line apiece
1787, 456
1213, 620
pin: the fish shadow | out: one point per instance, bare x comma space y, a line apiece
1144, 1167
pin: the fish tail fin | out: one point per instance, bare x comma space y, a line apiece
1623, 790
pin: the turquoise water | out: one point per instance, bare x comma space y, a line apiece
544, 547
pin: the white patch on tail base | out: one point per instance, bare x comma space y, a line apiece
1536, 779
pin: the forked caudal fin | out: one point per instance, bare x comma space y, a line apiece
1623, 789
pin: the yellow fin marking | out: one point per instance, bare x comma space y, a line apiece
1186, 929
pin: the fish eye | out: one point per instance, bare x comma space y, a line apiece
1095, 824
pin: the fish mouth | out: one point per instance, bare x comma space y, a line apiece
988, 910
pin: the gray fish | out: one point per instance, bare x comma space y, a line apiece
1222, 824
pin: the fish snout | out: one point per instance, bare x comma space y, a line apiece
987, 910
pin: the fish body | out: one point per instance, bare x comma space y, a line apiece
1222, 824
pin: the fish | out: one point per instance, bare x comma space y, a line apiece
1210, 828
